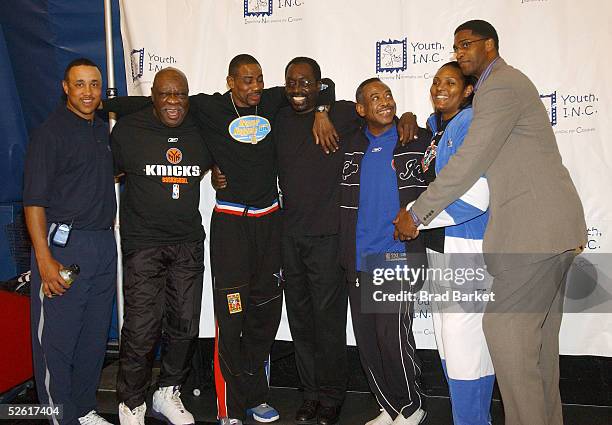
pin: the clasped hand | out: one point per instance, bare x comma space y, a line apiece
405, 228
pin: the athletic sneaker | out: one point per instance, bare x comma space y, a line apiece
92, 418
167, 405
416, 418
129, 416
383, 419
229, 421
264, 413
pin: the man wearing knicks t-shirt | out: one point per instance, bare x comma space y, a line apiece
163, 157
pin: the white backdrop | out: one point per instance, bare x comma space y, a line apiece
562, 45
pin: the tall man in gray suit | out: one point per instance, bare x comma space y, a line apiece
535, 230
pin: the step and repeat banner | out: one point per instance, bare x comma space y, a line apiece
560, 44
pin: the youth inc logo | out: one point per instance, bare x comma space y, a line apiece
391, 55
145, 63
578, 109
137, 62
257, 8
550, 103
394, 56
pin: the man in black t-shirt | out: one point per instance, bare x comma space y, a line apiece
315, 289
245, 242
163, 157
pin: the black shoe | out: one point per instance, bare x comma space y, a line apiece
307, 413
329, 415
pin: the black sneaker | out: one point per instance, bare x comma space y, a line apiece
329, 415
307, 413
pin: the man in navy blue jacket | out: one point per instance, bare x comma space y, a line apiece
69, 184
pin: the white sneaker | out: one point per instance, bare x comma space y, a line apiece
168, 406
229, 421
92, 418
415, 419
132, 417
382, 419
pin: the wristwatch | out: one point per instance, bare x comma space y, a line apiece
322, 108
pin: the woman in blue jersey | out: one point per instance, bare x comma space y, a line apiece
458, 326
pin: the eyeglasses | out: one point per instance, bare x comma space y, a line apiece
465, 44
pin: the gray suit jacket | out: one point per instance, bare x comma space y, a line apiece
534, 207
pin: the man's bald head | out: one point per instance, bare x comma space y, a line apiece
170, 95
170, 73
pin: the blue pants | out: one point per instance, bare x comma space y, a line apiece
69, 332
460, 339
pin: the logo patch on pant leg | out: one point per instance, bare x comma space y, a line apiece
233, 302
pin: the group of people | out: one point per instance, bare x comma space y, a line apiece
357, 183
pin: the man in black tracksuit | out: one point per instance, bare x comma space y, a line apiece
379, 174
161, 153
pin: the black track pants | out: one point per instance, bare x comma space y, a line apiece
388, 356
162, 292
245, 262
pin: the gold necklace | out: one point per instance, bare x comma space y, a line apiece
236, 109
